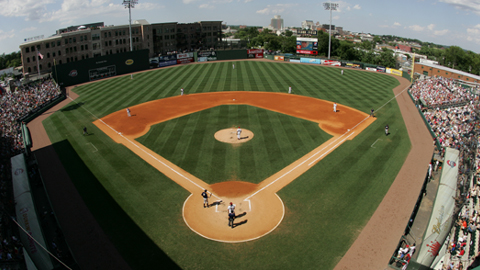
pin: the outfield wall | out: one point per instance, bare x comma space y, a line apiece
100, 67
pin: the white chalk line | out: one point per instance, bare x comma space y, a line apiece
248, 198
93, 147
119, 133
374, 143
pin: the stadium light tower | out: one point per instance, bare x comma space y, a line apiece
330, 6
130, 4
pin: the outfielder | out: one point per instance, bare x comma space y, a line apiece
128, 112
289, 89
386, 130
334, 107
181, 92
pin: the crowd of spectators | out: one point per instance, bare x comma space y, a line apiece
438, 91
452, 112
13, 106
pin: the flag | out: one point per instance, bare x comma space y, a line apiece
40, 55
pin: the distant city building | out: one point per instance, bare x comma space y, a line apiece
404, 48
276, 23
308, 25
76, 43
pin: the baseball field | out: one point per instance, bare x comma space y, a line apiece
325, 173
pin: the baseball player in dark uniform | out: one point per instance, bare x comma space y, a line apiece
231, 218
205, 198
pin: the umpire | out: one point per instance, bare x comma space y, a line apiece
231, 218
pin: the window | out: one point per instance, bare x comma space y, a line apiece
124, 32
59, 53
109, 43
86, 46
86, 55
33, 58
38, 47
32, 48
81, 47
137, 39
85, 37
28, 59
105, 34
60, 62
66, 50
53, 54
81, 38
68, 60
172, 37
109, 34
74, 39
29, 70
53, 44
106, 43
49, 65
48, 55
40, 67
116, 41
75, 48
59, 42
47, 45
27, 49
76, 58
83, 56
124, 41
116, 33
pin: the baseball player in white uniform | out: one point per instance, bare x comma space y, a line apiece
334, 107
289, 89
181, 92
128, 112
239, 131
231, 208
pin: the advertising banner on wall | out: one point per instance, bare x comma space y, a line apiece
310, 60
371, 69
352, 65
185, 60
307, 45
185, 55
255, 53
331, 63
295, 60
443, 210
381, 69
167, 57
27, 216
394, 71
167, 63
207, 56
279, 58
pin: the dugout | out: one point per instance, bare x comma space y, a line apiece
101, 67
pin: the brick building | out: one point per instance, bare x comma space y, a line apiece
92, 40
429, 69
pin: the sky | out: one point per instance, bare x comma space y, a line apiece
445, 22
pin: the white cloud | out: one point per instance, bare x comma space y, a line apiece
474, 31
32, 10
396, 24
72, 10
465, 5
275, 9
246, 1
441, 32
206, 6
431, 26
335, 17
357, 7
188, 1
29, 29
7, 35
416, 28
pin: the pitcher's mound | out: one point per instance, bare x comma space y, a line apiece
229, 135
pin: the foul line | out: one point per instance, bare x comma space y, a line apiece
93, 147
119, 133
248, 198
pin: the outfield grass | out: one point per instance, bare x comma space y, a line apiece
326, 207
278, 141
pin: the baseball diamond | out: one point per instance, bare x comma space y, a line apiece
264, 209
314, 192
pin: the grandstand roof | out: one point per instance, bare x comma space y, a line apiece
459, 72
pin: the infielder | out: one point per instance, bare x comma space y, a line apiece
205, 198
239, 131
334, 107
128, 112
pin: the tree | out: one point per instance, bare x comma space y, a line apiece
386, 58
